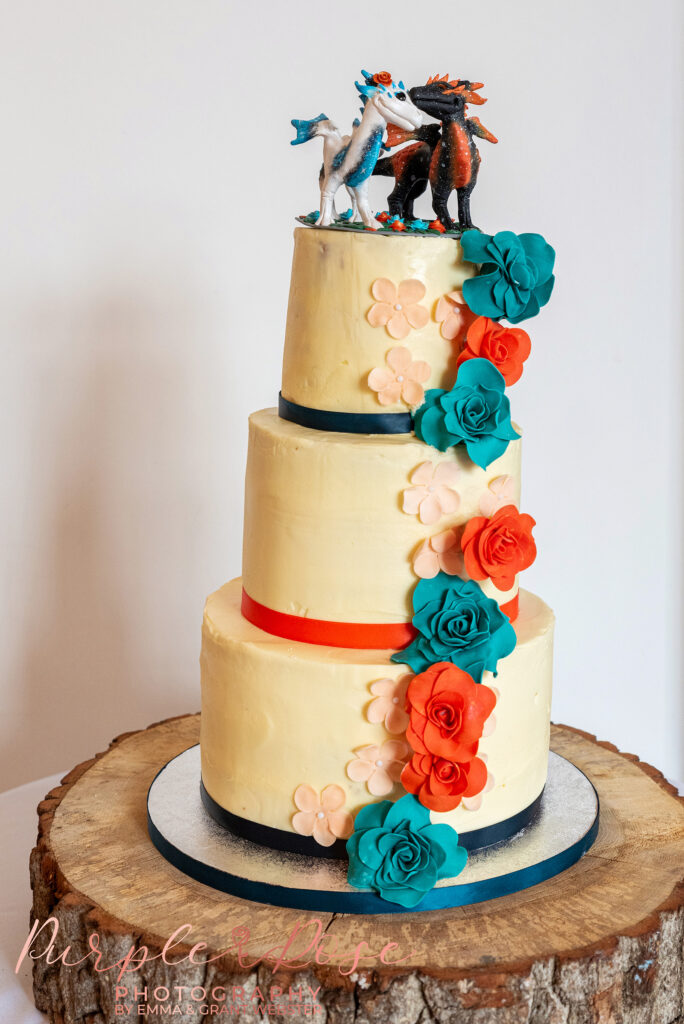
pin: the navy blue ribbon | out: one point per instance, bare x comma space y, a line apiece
345, 422
291, 842
275, 838
369, 902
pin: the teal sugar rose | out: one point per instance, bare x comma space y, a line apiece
516, 275
397, 852
456, 622
476, 413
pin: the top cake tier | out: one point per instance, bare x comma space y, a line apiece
331, 345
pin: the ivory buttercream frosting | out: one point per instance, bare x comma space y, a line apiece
331, 345
333, 521
277, 714
376, 687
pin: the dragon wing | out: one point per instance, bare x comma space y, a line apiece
396, 135
477, 128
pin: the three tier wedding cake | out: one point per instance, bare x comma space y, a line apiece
376, 687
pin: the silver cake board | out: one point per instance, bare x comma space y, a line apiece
564, 828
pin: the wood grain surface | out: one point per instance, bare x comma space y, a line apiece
602, 942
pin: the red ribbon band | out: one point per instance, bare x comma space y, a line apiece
359, 635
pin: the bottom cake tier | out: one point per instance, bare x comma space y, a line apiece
278, 714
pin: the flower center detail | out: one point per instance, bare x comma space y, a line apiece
395, 700
397, 306
378, 764
446, 716
400, 378
320, 815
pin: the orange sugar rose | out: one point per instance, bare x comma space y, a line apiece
506, 347
440, 784
499, 547
447, 712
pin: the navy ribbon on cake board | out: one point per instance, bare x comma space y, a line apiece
365, 902
292, 842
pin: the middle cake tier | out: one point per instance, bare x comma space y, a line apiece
326, 536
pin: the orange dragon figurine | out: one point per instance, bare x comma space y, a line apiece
445, 154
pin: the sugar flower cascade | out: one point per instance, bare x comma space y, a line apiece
461, 633
465, 597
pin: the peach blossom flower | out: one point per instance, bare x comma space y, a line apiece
489, 726
501, 492
402, 381
432, 495
451, 312
439, 553
397, 309
322, 817
379, 767
473, 803
389, 705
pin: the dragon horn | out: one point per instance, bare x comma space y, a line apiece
470, 93
366, 90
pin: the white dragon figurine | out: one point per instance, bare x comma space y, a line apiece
349, 159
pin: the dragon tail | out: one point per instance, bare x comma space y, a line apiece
306, 129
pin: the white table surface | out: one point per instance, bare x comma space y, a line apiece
18, 829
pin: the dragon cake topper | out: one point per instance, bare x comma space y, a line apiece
441, 154
349, 160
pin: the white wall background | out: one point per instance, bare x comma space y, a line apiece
148, 190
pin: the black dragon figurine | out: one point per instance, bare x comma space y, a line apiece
444, 154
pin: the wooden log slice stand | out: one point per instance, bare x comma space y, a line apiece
600, 943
